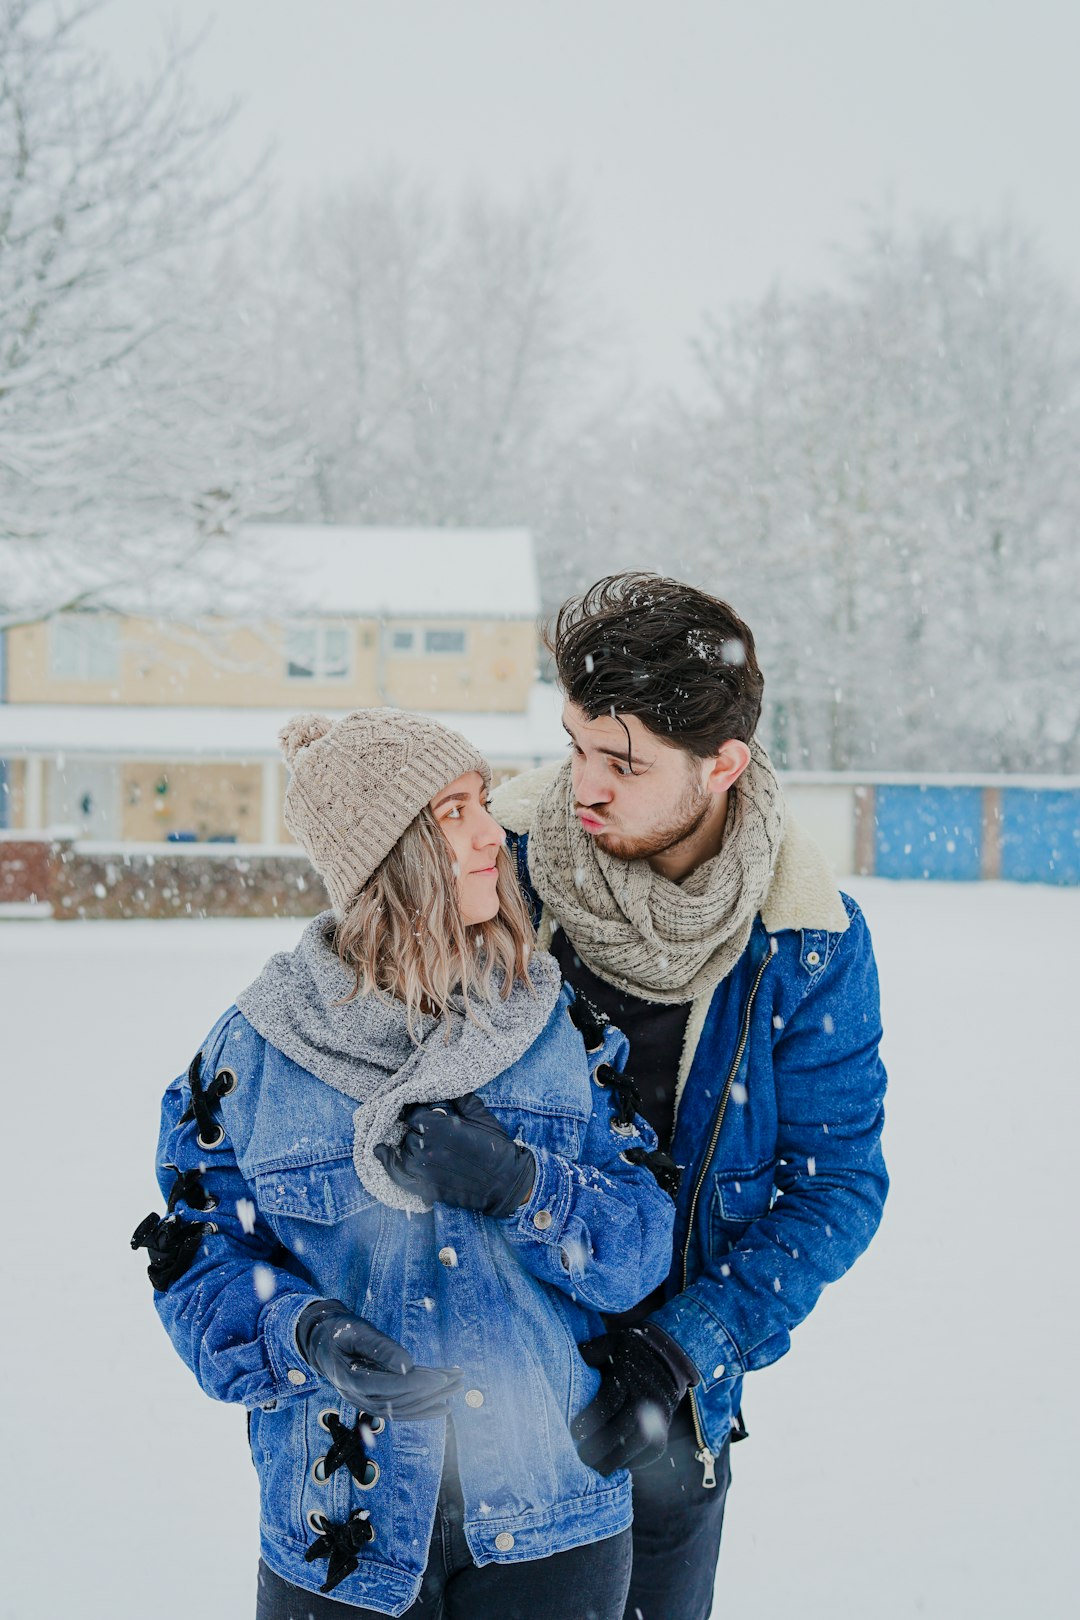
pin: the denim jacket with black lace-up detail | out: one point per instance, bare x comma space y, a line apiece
263, 1157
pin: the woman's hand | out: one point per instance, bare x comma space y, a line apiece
458, 1153
374, 1373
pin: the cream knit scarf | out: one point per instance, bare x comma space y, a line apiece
640, 932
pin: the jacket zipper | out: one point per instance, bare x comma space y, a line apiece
705, 1457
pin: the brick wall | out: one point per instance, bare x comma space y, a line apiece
27, 870
114, 881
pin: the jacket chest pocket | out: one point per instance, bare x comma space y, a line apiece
326, 1193
325, 1217
560, 1133
739, 1198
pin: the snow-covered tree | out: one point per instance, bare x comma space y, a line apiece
434, 355
885, 477
127, 447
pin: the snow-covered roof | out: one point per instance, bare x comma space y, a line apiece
474, 573
276, 570
165, 732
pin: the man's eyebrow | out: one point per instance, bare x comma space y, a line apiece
614, 753
451, 798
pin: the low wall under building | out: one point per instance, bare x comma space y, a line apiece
84, 880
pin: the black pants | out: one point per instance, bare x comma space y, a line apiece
677, 1526
585, 1583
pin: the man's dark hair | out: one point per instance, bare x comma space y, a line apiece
681, 660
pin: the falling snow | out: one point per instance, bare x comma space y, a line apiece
833, 1498
264, 1281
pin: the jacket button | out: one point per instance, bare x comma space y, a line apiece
813, 958
295, 1376
542, 1219
504, 1541
474, 1397
448, 1256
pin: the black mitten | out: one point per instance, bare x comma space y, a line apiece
645, 1375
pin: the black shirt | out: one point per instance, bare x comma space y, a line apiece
655, 1029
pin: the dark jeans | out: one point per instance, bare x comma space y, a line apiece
585, 1583
677, 1525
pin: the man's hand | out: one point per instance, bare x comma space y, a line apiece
645, 1375
457, 1153
373, 1373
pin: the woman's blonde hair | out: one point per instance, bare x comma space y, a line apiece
403, 936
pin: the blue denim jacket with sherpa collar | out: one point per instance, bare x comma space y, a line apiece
779, 1112
287, 1220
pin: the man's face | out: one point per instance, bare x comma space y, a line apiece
637, 795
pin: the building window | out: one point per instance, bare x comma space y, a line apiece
84, 647
444, 641
406, 641
317, 652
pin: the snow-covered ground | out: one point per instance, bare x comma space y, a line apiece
912, 1456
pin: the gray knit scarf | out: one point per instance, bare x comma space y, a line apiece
363, 1047
640, 932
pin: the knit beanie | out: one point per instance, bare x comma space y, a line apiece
358, 782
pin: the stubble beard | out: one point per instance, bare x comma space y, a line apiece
690, 814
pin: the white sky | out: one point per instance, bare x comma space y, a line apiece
715, 144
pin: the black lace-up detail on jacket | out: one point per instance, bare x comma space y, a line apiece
188, 1188
589, 1020
623, 1088
172, 1245
666, 1172
347, 1450
204, 1100
339, 1545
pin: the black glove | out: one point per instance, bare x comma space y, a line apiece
645, 1375
457, 1153
375, 1374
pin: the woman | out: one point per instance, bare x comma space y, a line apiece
397, 1203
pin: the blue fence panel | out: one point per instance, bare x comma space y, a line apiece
929, 832
1040, 835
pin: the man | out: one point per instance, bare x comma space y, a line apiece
687, 906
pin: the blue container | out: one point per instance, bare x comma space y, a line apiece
929, 832
1040, 835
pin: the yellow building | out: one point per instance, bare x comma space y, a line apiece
146, 724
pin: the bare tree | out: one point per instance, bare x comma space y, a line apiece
433, 355
888, 474
126, 446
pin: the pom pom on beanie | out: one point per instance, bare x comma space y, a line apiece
301, 730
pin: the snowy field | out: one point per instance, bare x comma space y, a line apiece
912, 1456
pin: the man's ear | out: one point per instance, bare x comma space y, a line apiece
729, 762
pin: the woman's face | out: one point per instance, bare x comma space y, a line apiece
475, 839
